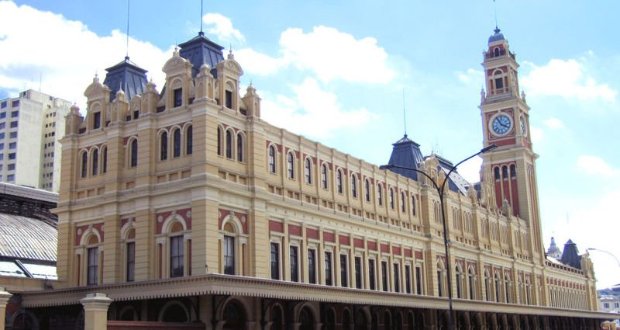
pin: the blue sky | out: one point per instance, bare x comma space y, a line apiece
335, 72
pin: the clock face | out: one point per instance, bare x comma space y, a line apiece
501, 124
523, 126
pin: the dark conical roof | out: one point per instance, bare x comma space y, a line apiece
570, 256
406, 153
127, 76
200, 50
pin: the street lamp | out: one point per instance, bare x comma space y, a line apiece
440, 191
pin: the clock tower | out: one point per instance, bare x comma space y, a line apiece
505, 123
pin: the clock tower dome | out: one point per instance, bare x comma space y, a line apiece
505, 122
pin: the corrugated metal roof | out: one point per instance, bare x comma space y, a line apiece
27, 238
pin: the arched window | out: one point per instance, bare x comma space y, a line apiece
487, 286
104, 154
496, 52
133, 152
163, 146
513, 171
367, 190
308, 170
228, 248
471, 283
95, 162
324, 176
84, 164
440, 279
240, 147
229, 144
505, 172
507, 288
130, 254
176, 143
498, 82
498, 287
403, 204
189, 140
380, 194
290, 165
496, 173
459, 281
354, 185
219, 140
339, 181
413, 202
391, 198
271, 162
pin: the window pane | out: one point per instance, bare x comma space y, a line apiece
176, 256
275, 261
294, 264
131, 261
229, 255
93, 266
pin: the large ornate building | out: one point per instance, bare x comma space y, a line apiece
183, 208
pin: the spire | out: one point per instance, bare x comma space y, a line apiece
200, 50
126, 76
553, 250
570, 256
405, 153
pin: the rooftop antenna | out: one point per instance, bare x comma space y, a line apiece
495, 12
201, 14
127, 33
404, 113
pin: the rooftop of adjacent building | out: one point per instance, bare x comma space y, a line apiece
28, 234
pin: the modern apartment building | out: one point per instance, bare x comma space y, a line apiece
30, 127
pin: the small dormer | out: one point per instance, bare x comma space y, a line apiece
205, 84
73, 121
97, 101
251, 102
179, 84
228, 73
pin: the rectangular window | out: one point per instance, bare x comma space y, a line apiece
439, 283
13, 124
12, 155
3, 105
499, 83
176, 256
229, 255
294, 264
407, 278
130, 260
371, 274
1, 146
344, 271
15, 103
13, 135
96, 120
275, 261
384, 275
178, 97
328, 268
2, 115
229, 99
2, 125
10, 178
92, 266
11, 167
12, 145
2, 135
358, 272
312, 266
396, 277
14, 114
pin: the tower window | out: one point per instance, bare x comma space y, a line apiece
178, 97
96, 120
228, 99
513, 171
499, 83
496, 52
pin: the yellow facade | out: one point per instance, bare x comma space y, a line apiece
195, 186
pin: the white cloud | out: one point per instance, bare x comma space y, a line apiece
313, 111
65, 54
258, 63
332, 55
536, 134
327, 54
566, 78
554, 123
222, 27
594, 165
471, 76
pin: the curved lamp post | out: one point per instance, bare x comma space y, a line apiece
446, 241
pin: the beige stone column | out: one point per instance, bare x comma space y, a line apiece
96, 311
4, 299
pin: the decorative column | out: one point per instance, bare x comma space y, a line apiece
4, 298
96, 311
